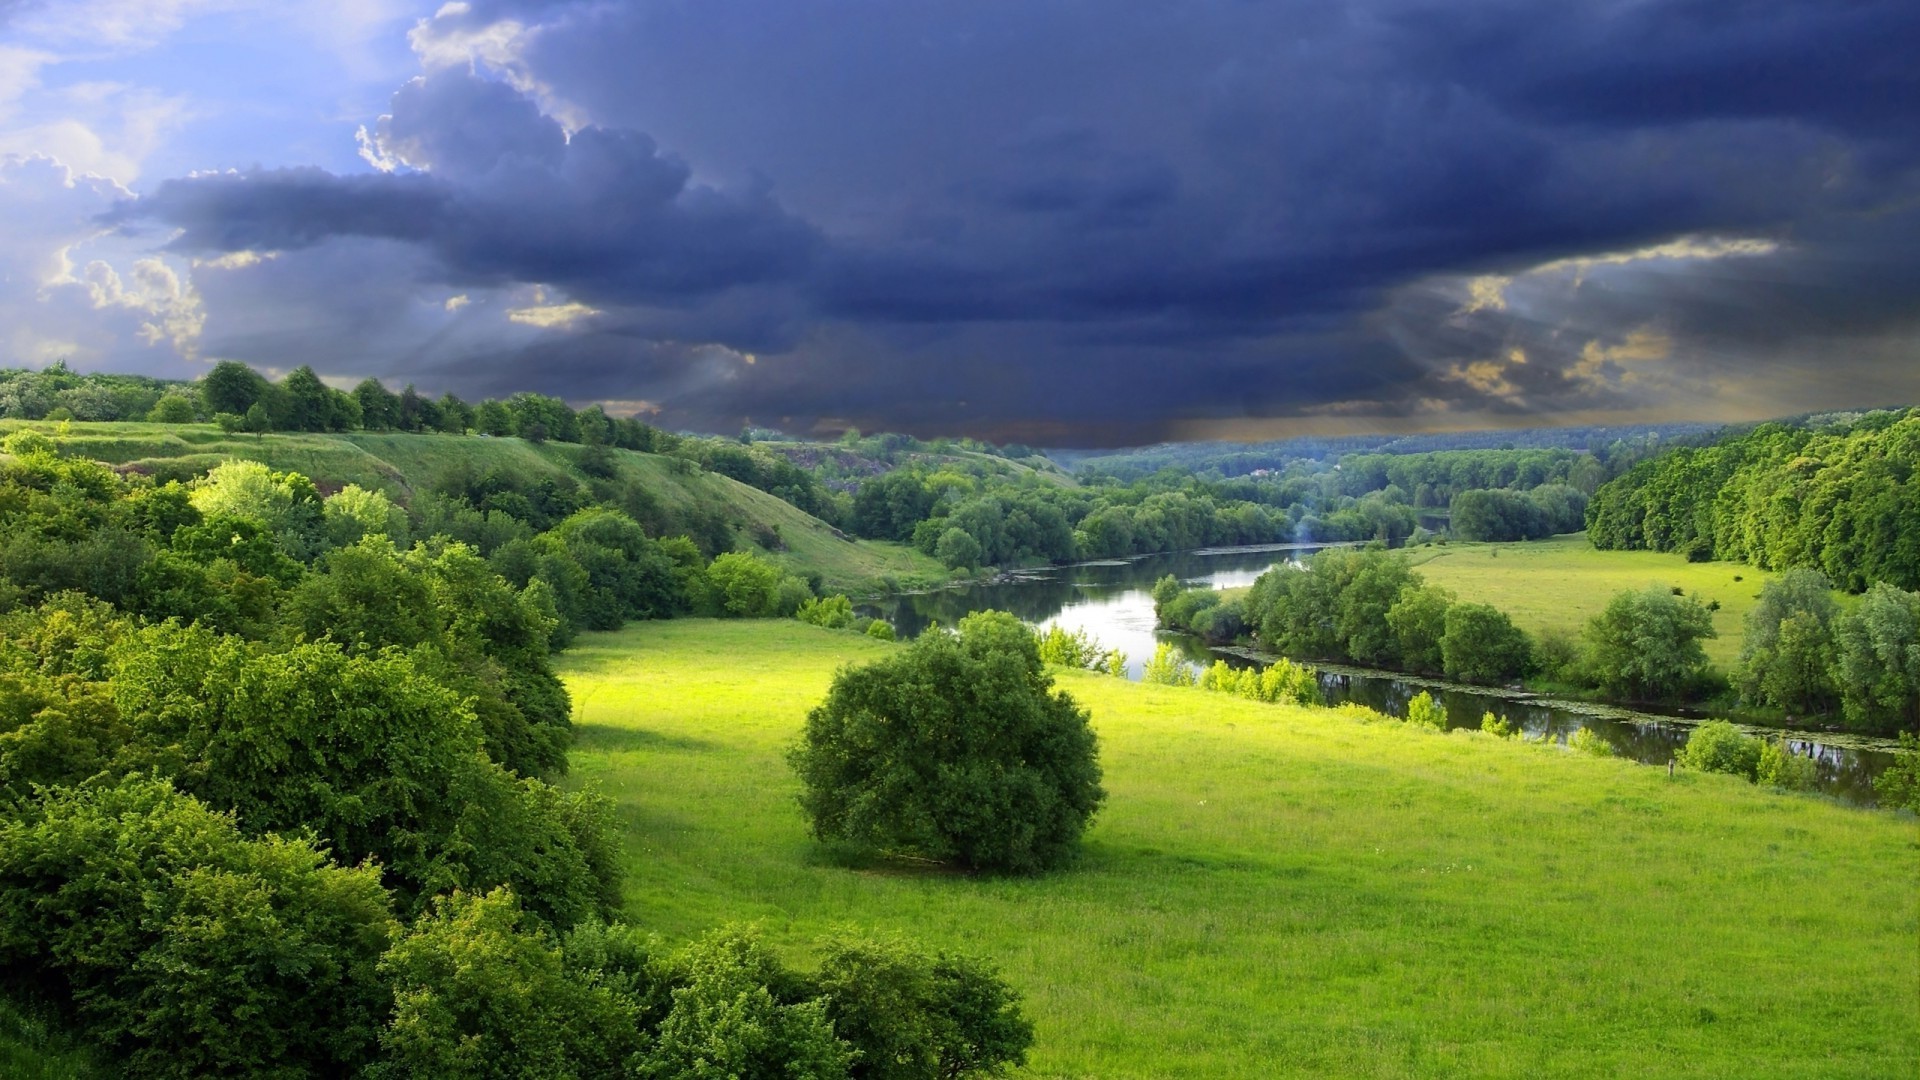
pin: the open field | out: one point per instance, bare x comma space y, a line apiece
1279, 891
404, 464
1561, 583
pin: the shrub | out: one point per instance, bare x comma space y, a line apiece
1166, 668
831, 612
172, 409
1423, 711
184, 947
728, 1020
1587, 741
1072, 649
881, 630
1498, 726
1718, 746
1898, 787
1782, 768
478, 994
914, 1015
742, 585
956, 749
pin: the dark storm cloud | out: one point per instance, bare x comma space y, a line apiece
504, 196
1093, 223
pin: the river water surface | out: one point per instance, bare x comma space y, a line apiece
1110, 601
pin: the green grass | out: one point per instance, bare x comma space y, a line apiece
1563, 582
32, 1049
402, 465
1279, 891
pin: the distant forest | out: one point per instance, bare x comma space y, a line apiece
1838, 496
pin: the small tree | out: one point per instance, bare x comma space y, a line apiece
957, 549
956, 749
1787, 651
1647, 644
1481, 645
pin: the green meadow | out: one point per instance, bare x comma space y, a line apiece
1563, 582
1276, 891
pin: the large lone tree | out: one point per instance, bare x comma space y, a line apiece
958, 749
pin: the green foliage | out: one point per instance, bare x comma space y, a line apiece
1502, 515
1587, 741
1070, 648
479, 993
29, 444
1481, 645
1780, 767
184, 948
1718, 746
173, 408
743, 585
1418, 619
285, 504
880, 630
830, 612
726, 1020
1840, 500
1898, 786
1166, 668
1498, 726
956, 749
1878, 663
1423, 711
957, 549
354, 512
1646, 645
1333, 606
368, 752
914, 1015
1279, 682
1788, 648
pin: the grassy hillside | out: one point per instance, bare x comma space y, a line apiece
1279, 891
1562, 583
403, 465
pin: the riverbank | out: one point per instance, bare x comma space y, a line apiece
1275, 891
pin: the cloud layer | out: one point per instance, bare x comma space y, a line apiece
1061, 222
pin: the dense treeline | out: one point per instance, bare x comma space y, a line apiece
983, 518
1805, 656
1371, 607
275, 799
968, 503
1608, 444
1840, 498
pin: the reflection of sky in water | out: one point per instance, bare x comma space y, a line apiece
1113, 604
1121, 617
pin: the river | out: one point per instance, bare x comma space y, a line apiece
1110, 601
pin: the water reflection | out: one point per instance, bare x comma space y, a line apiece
1110, 601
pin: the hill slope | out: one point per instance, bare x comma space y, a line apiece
406, 466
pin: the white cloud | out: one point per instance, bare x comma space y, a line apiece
551, 316
71, 289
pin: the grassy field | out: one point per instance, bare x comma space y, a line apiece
403, 464
1277, 891
1563, 582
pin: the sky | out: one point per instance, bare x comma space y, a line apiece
1062, 222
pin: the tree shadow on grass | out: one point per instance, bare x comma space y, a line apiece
862, 860
622, 740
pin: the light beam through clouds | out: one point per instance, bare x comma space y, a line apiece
1050, 221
